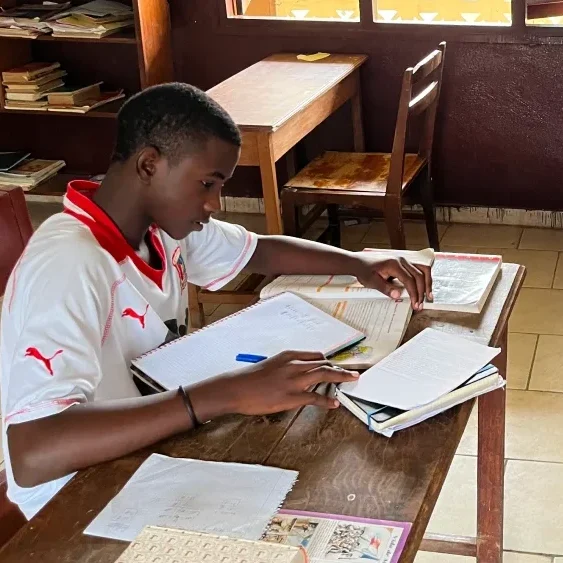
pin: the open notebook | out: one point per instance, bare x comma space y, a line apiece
284, 322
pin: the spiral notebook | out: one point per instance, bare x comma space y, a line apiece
284, 322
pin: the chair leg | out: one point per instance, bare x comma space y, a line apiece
394, 222
195, 308
427, 197
334, 225
290, 213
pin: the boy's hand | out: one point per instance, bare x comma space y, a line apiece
280, 383
376, 273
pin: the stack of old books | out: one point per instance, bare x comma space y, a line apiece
29, 20
26, 87
30, 172
40, 86
93, 20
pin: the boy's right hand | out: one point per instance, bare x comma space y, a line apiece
280, 383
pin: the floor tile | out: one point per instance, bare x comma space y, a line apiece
521, 350
456, 510
547, 372
542, 239
533, 507
527, 414
458, 249
423, 557
540, 264
558, 279
538, 311
415, 233
514, 557
484, 236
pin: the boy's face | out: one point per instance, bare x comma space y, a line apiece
182, 197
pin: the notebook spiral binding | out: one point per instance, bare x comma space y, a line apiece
206, 327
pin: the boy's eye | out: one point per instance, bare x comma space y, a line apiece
207, 184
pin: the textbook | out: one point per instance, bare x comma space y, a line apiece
284, 322
461, 282
431, 373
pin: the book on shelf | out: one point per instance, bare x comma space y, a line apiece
29, 20
89, 104
39, 105
10, 159
93, 20
28, 72
31, 172
14, 93
74, 94
37, 83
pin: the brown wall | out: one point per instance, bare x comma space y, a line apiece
500, 128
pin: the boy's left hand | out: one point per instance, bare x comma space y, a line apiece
376, 273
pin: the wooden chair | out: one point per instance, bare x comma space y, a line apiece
375, 180
11, 518
15, 231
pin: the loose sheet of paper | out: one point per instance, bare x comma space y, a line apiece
430, 365
221, 498
285, 322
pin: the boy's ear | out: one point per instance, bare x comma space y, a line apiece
147, 162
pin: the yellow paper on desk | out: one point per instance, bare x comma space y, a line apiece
313, 58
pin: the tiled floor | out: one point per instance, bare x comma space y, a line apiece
534, 448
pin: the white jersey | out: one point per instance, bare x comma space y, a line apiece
81, 304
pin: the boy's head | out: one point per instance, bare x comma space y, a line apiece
182, 147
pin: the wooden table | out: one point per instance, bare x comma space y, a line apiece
337, 458
278, 101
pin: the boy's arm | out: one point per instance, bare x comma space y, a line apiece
287, 255
89, 433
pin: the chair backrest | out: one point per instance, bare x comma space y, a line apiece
15, 231
420, 93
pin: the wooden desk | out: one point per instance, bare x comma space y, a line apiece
278, 101
391, 479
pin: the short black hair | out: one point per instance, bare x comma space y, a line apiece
174, 118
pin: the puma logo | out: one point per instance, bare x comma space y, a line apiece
35, 353
134, 315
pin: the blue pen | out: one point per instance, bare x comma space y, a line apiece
250, 358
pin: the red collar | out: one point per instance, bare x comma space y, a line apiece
79, 194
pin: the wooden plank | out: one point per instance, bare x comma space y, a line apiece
249, 149
453, 545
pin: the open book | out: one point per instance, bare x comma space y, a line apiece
461, 282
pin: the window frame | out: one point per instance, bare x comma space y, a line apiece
517, 33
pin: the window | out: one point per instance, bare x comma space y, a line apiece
331, 10
544, 13
459, 12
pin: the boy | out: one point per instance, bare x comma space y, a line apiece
105, 281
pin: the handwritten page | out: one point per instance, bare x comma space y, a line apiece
229, 499
383, 321
285, 322
430, 365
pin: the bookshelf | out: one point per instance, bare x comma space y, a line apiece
132, 59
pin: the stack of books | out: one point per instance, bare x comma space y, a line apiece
40, 86
26, 87
31, 172
29, 20
93, 20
